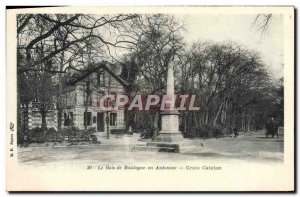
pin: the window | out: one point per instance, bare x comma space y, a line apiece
100, 79
68, 119
113, 119
87, 118
71, 115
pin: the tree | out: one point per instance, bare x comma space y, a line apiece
158, 45
230, 81
262, 22
49, 45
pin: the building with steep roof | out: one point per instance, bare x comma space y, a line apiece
81, 96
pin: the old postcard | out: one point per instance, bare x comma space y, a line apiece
150, 99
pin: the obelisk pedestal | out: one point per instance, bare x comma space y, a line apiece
169, 128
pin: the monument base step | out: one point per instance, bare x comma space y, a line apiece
177, 147
153, 149
168, 137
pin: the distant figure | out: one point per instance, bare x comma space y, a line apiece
235, 132
272, 128
130, 131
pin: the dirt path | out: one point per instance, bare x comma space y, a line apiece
253, 147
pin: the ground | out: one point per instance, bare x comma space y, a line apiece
251, 147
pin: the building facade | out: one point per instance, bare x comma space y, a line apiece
81, 106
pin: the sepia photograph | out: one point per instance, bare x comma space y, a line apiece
139, 99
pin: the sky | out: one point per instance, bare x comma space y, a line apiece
240, 29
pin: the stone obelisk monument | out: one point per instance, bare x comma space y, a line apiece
169, 116
169, 138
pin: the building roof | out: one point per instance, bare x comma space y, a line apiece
92, 69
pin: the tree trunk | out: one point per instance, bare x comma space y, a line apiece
185, 115
44, 121
243, 121
107, 125
206, 116
217, 115
249, 121
86, 103
233, 119
59, 104
85, 118
107, 113
224, 112
195, 119
59, 119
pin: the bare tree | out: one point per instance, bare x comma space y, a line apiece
230, 81
261, 23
